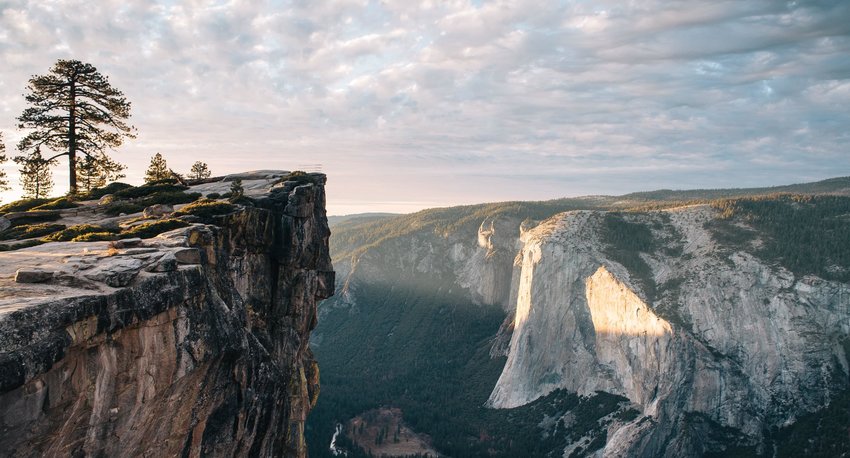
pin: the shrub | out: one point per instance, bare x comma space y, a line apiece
18, 246
23, 205
95, 237
171, 198
60, 203
153, 228
148, 189
213, 195
73, 232
206, 209
28, 231
35, 217
111, 188
116, 208
300, 177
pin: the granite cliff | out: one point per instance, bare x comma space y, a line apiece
191, 343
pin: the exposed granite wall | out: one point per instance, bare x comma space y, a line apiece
207, 359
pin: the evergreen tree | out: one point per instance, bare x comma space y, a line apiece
36, 177
158, 170
74, 111
236, 190
4, 183
96, 174
199, 171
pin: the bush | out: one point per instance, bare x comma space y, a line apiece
28, 231
23, 205
213, 195
153, 228
111, 188
206, 209
116, 208
73, 232
148, 189
35, 217
171, 198
58, 204
300, 177
96, 237
18, 246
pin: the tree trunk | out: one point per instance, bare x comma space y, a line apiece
72, 142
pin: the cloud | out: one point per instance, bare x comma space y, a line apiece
595, 97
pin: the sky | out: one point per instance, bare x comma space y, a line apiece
407, 105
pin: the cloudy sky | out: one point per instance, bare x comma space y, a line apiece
407, 105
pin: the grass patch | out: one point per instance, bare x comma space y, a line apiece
148, 190
28, 231
170, 198
153, 228
73, 232
58, 204
300, 177
206, 209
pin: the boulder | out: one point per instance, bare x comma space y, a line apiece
157, 210
167, 263
106, 199
124, 243
115, 271
32, 276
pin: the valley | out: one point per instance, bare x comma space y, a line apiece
509, 329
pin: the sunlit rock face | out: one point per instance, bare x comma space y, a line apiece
725, 340
209, 357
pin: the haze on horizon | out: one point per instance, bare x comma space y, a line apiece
408, 105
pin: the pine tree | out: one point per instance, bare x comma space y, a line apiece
73, 110
236, 190
4, 183
96, 174
36, 177
199, 171
158, 170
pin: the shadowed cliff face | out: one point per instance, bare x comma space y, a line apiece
210, 358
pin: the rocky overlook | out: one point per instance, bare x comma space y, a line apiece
192, 342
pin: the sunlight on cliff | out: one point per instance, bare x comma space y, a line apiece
616, 310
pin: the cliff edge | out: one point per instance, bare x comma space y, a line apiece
190, 343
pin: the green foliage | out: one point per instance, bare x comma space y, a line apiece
199, 171
18, 246
35, 217
206, 209
22, 205
300, 177
96, 237
73, 232
57, 204
99, 112
148, 189
805, 234
36, 177
94, 172
153, 228
128, 208
28, 231
213, 195
4, 182
170, 197
236, 190
157, 170
111, 188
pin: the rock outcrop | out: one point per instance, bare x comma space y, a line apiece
193, 343
723, 344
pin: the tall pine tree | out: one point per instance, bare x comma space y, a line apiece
36, 177
73, 110
158, 170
